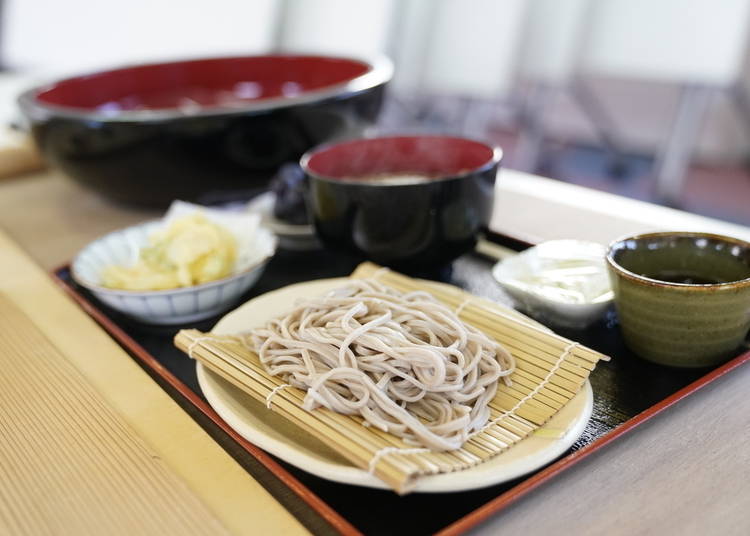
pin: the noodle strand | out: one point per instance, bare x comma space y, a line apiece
404, 362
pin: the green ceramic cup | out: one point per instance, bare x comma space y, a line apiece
683, 299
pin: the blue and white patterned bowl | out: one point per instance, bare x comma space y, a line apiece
173, 306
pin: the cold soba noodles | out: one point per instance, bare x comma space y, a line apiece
404, 362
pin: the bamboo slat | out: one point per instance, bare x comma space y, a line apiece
550, 371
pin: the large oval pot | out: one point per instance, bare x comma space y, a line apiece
201, 128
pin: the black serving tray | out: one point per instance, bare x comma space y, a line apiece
627, 391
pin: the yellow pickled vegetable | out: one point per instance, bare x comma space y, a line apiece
190, 251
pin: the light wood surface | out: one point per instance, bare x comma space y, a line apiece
52, 218
224, 488
63, 442
685, 472
18, 153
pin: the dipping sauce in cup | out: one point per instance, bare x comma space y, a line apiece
683, 299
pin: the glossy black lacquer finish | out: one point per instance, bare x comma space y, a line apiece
209, 156
417, 228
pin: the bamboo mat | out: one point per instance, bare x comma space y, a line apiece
550, 370
43, 489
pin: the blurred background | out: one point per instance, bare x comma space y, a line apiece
645, 99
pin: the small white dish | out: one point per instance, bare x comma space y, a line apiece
560, 282
291, 237
179, 305
275, 434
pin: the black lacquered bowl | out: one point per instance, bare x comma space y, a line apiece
410, 202
219, 127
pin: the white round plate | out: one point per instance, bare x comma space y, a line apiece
275, 434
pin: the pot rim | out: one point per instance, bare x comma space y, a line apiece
494, 160
380, 72
624, 272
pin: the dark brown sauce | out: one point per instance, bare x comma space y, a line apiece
685, 278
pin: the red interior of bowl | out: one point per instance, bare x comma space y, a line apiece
201, 83
432, 156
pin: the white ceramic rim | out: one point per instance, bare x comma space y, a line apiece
95, 287
479, 476
468, 479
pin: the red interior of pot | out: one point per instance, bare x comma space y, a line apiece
432, 156
202, 83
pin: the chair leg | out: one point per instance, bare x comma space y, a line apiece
600, 120
673, 159
738, 92
531, 136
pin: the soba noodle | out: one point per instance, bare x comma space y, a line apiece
404, 362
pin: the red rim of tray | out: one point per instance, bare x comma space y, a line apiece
336, 520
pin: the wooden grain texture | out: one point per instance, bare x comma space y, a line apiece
241, 504
292, 487
68, 462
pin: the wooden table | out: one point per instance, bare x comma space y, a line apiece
687, 471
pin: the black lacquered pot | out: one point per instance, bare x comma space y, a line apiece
152, 133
